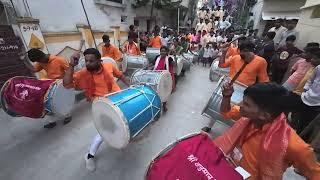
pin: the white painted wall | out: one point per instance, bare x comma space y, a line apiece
308, 28
63, 15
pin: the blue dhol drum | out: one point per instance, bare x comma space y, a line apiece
120, 116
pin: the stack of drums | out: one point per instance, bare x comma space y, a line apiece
187, 61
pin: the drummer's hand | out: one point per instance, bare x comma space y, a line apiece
74, 59
227, 90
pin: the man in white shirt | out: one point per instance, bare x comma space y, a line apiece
213, 38
204, 40
208, 25
278, 29
290, 31
224, 25
200, 26
202, 14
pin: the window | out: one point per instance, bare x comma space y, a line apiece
316, 12
124, 19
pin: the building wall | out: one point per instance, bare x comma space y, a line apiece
308, 28
63, 15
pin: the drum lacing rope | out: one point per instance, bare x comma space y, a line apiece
140, 91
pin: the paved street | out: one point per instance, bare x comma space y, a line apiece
30, 152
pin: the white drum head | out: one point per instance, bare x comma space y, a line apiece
110, 123
125, 63
164, 87
179, 65
62, 100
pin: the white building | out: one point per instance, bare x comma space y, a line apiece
309, 23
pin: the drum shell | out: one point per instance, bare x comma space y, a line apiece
151, 54
129, 111
160, 81
59, 100
216, 73
179, 65
187, 61
212, 108
132, 63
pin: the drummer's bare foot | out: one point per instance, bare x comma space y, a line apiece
67, 120
90, 164
50, 125
206, 129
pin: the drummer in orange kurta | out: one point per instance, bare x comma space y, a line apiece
261, 141
55, 67
109, 50
155, 42
97, 80
131, 48
255, 70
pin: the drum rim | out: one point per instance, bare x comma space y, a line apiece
168, 148
120, 115
52, 102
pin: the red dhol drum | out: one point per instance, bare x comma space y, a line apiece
194, 157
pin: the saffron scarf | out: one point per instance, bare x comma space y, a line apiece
274, 145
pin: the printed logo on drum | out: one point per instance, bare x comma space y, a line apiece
24, 94
200, 167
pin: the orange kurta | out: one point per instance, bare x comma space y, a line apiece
255, 71
55, 68
112, 52
155, 42
100, 83
298, 153
132, 49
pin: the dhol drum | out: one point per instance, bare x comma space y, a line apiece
132, 63
212, 108
152, 53
187, 61
120, 116
179, 66
216, 73
192, 157
30, 97
160, 81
